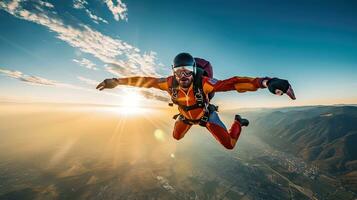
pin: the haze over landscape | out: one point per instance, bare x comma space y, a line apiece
95, 152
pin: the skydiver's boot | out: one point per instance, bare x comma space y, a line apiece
242, 121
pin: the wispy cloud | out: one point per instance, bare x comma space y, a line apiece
10, 73
118, 8
27, 78
149, 94
88, 81
45, 4
147, 61
120, 58
81, 4
95, 18
35, 80
40, 81
86, 63
126, 58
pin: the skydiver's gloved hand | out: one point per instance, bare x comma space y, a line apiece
108, 84
280, 86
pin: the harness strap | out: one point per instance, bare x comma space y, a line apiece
202, 121
194, 106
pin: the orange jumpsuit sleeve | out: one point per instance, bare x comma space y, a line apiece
240, 84
146, 82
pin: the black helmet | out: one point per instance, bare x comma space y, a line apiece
184, 59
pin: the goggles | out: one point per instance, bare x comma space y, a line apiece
184, 71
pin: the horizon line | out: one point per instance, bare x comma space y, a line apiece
159, 106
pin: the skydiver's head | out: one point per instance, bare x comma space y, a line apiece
183, 68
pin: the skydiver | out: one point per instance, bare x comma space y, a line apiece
192, 86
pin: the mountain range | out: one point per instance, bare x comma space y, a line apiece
325, 136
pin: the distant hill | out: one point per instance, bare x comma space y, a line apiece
323, 135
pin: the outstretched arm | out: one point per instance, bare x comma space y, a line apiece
243, 84
136, 81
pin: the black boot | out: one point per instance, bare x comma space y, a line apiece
242, 121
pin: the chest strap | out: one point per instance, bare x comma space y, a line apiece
194, 106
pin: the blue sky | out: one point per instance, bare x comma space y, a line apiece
55, 51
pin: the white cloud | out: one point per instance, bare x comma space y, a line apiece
95, 18
46, 4
12, 6
86, 63
27, 78
147, 63
12, 74
119, 10
81, 4
159, 96
123, 58
40, 81
88, 81
34, 80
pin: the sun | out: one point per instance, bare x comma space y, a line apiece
131, 103
131, 100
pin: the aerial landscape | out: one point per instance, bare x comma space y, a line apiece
114, 160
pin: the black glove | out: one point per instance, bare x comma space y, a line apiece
282, 85
108, 84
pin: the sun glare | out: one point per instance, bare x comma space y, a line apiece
130, 103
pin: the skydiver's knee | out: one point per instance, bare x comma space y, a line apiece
229, 146
177, 136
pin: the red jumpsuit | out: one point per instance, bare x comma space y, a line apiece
214, 125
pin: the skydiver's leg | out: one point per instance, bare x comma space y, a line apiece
227, 138
180, 129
